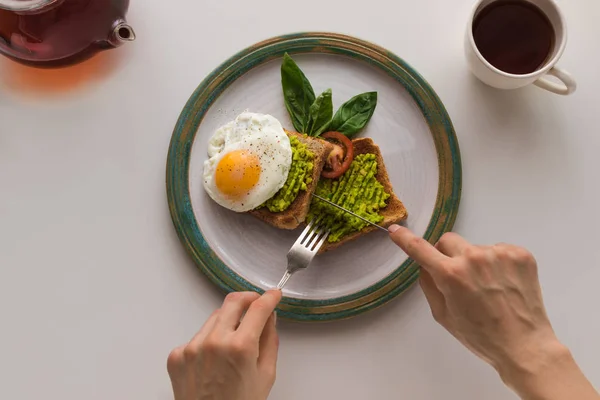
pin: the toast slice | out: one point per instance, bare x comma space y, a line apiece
395, 211
296, 212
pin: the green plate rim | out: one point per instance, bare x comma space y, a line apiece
434, 112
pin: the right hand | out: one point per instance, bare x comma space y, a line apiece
488, 297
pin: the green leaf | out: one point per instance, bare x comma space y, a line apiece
319, 114
297, 93
354, 114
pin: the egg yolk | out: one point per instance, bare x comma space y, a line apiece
237, 173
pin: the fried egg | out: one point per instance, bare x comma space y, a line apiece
249, 161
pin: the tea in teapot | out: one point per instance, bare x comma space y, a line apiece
56, 33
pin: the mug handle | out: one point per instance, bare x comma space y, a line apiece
569, 83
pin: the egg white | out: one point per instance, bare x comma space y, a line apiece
261, 135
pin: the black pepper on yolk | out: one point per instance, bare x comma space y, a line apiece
237, 173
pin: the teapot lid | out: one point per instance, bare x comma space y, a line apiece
25, 5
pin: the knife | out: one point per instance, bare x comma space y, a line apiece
349, 212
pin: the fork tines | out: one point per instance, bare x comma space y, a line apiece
304, 249
313, 236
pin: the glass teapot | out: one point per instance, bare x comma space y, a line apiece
55, 33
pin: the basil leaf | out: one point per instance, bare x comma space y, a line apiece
354, 114
319, 114
297, 93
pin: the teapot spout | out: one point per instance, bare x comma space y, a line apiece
122, 33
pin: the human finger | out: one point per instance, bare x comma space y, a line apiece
234, 307
176, 363
452, 244
177, 372
435, 298
269, 347
417, 248
259, 313
199, 337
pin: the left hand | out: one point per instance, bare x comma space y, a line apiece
230, 357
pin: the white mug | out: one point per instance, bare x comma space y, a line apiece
492, 76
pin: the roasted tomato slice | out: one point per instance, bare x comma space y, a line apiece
340, 158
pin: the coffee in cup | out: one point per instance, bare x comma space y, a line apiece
513, 43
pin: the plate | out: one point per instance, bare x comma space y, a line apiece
411, 126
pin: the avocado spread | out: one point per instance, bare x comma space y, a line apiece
299, 176
356, 190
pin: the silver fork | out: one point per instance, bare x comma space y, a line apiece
304, 250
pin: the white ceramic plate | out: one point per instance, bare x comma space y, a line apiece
417, 142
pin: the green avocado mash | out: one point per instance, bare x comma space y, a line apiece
299, 176
358, 191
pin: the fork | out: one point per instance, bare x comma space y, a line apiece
304, 250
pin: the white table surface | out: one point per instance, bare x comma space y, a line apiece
95, 288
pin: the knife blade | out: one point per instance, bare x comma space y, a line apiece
349, 212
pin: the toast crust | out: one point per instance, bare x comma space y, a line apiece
297, 211
393, 213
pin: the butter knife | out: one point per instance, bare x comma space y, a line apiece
350, 212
